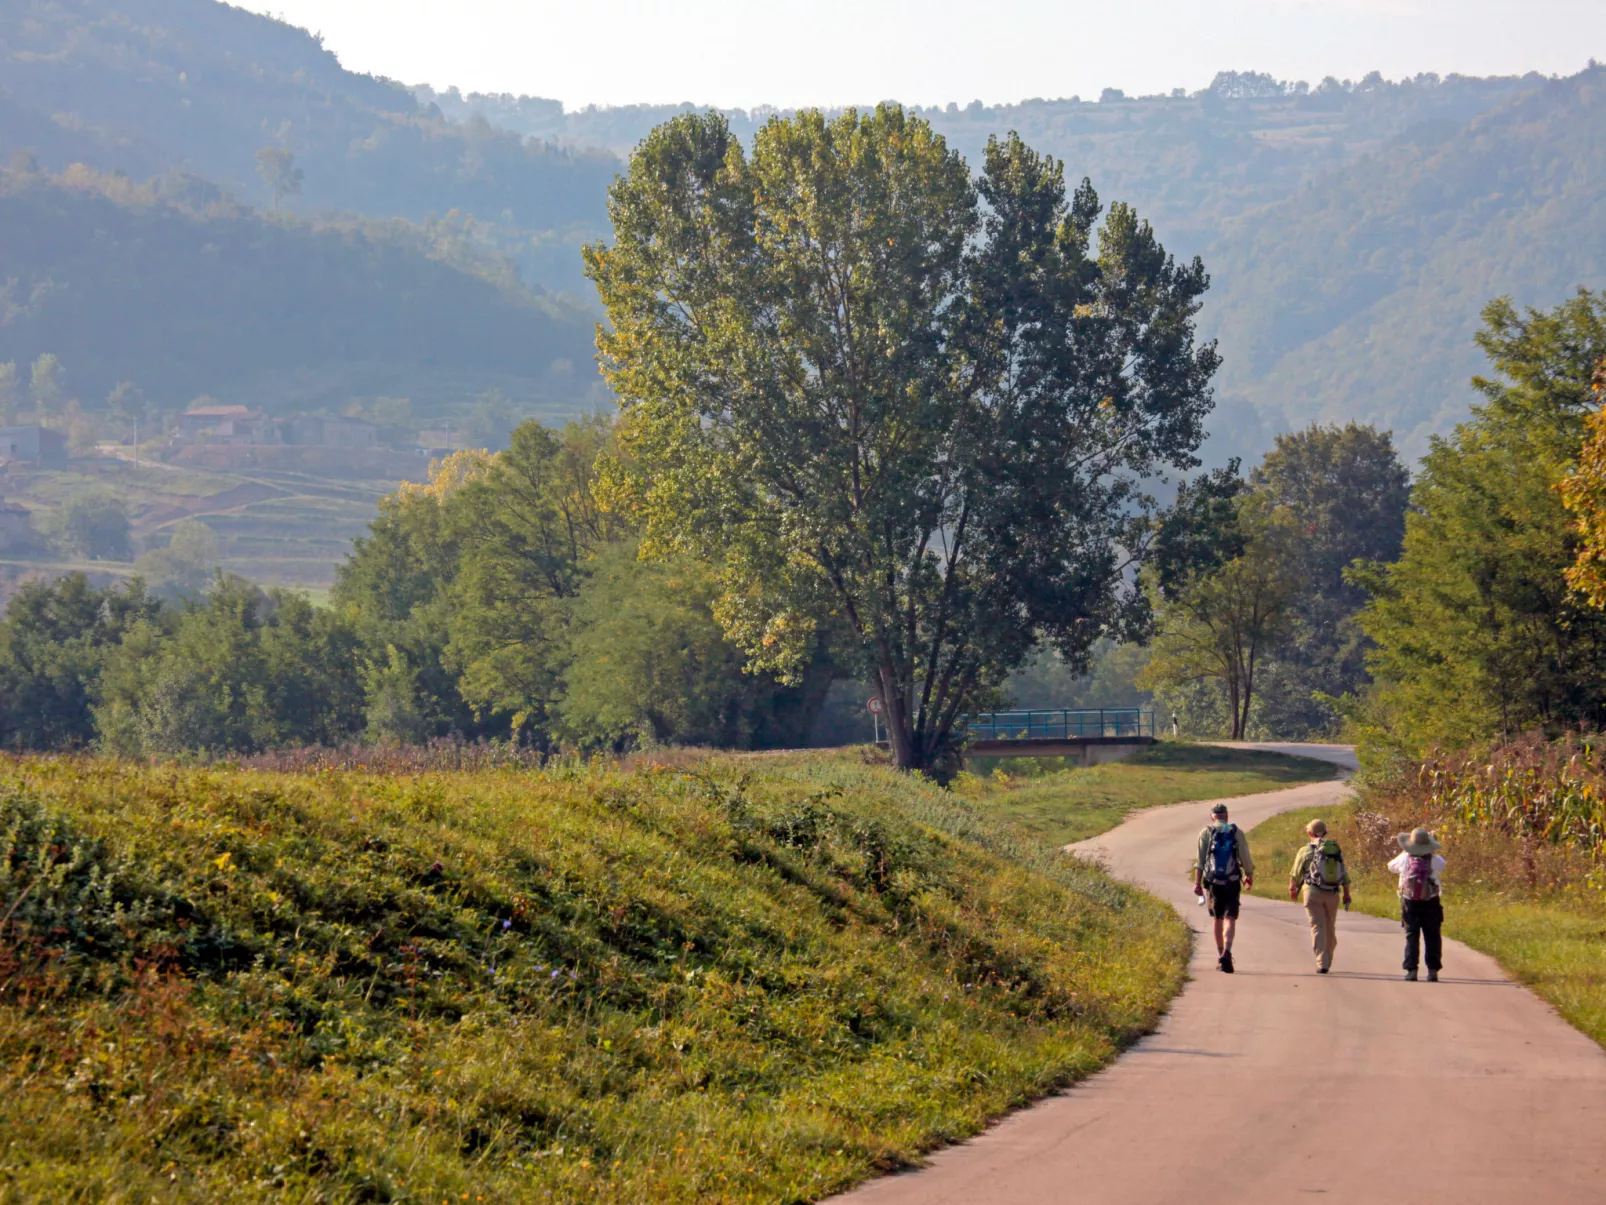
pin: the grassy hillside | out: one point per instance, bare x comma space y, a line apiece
1550, 937
276, 526
730, 980
152, 85
181, 292
1358, 297
1060, 806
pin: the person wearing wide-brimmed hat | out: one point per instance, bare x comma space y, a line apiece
1420, 866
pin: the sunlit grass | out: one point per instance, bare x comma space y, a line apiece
728, 980
1060, 804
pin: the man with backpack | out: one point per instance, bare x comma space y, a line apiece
1421, 899
1224, 867
1320, 873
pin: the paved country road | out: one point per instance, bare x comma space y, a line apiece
1275, 1084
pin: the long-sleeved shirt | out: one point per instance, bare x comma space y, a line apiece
1302, 864
1201, 861
1401, 865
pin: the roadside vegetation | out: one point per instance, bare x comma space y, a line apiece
1476, 647
1059, 803
712, 980
1521, 826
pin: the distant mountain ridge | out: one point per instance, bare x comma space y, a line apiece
179, 291
146, 86
1189, 162
1353, 230
1358, 297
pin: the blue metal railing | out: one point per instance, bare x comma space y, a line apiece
1090, 723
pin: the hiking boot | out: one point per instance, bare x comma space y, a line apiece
1226, 962
1433, 976
1410, 976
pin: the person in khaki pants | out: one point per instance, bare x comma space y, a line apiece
1319, 872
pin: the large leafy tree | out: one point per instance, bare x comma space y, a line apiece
1478, 631
882, 394
1218, 623
1345, 493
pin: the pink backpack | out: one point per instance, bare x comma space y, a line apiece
1418, 883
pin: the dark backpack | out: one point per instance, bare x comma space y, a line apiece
1325, 869
1418, 883
1224, 855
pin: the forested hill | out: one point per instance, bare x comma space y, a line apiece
1352, 230
1359, 296
145, 86
179, 290
1190, 162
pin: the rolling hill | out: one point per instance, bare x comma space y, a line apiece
147, 86
1358, 297
179, 290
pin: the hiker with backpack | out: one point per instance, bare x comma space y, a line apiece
1224, 868
1319, 873
1421, 899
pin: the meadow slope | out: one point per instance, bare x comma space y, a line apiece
728, 980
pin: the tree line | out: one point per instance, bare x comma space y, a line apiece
494, 600
1326, 594
885, 420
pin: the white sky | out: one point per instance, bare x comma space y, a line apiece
828, 52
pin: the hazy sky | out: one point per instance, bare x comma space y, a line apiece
928, 51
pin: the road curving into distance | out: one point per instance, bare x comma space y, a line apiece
1275, 1084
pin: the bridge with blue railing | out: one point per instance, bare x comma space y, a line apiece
1091, 733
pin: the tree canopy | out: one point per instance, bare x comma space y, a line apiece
882, 395
1478, 632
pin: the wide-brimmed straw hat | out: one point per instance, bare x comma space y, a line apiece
1419, 843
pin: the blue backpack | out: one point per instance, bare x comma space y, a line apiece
1224, 855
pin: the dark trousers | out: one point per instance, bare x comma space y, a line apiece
1422, 919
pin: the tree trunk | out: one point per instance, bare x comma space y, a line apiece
893, 709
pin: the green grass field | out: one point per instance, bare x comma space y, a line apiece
731, 979
1553, 941
1058, 805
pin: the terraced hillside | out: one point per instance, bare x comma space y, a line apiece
278, 523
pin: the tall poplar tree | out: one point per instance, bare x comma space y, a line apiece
890, 398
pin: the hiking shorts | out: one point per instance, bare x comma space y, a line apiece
1223, 898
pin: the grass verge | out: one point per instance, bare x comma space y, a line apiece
1552, 940
1059, 804
726, 981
